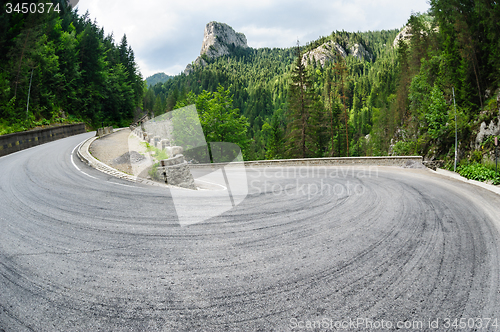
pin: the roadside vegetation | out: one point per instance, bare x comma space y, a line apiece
399, 101
67, 68
157, 155
479, 172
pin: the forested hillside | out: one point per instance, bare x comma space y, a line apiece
66, 66
397, 101
455, 49
259, 80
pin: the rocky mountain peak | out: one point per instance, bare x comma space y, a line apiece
217, 39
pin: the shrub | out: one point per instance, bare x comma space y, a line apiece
476, 171
153, 172
402, 148
476, 156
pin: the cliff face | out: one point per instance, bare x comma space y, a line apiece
216, 41
328, 51
406, 33
324, 53
403, 35
217, 37
360, 52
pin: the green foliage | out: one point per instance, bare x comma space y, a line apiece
157, 78
67, 68
153, 171
402, 148
303, 113
420, 90
437, 114
456, 46
488, 143
187, 125
492, 165
274, 135
476, 156
157, 153
220, 121
479, 172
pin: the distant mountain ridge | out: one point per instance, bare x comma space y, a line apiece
157, 78
220, 39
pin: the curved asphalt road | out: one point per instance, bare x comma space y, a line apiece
89, 252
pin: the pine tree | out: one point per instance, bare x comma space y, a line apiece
341, 71
332, 111
274, 132
301, 121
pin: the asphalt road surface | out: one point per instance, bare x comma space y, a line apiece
345, 248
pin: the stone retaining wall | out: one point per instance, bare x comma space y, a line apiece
19, 141
104, 131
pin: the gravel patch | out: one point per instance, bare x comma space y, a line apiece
112, 150
132, 157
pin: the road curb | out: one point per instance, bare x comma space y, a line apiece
456, 176
85, 156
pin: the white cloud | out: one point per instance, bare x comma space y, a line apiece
271, 36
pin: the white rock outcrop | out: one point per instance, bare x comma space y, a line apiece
360, 52
329, 50
324, 53
217, 37
404, 35
217, 40
487, 130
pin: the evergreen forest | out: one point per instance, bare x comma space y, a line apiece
57, 66
402, 101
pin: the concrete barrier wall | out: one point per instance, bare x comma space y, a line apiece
345, 161
19, 141
104, 131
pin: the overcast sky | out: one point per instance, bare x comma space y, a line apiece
166, 35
